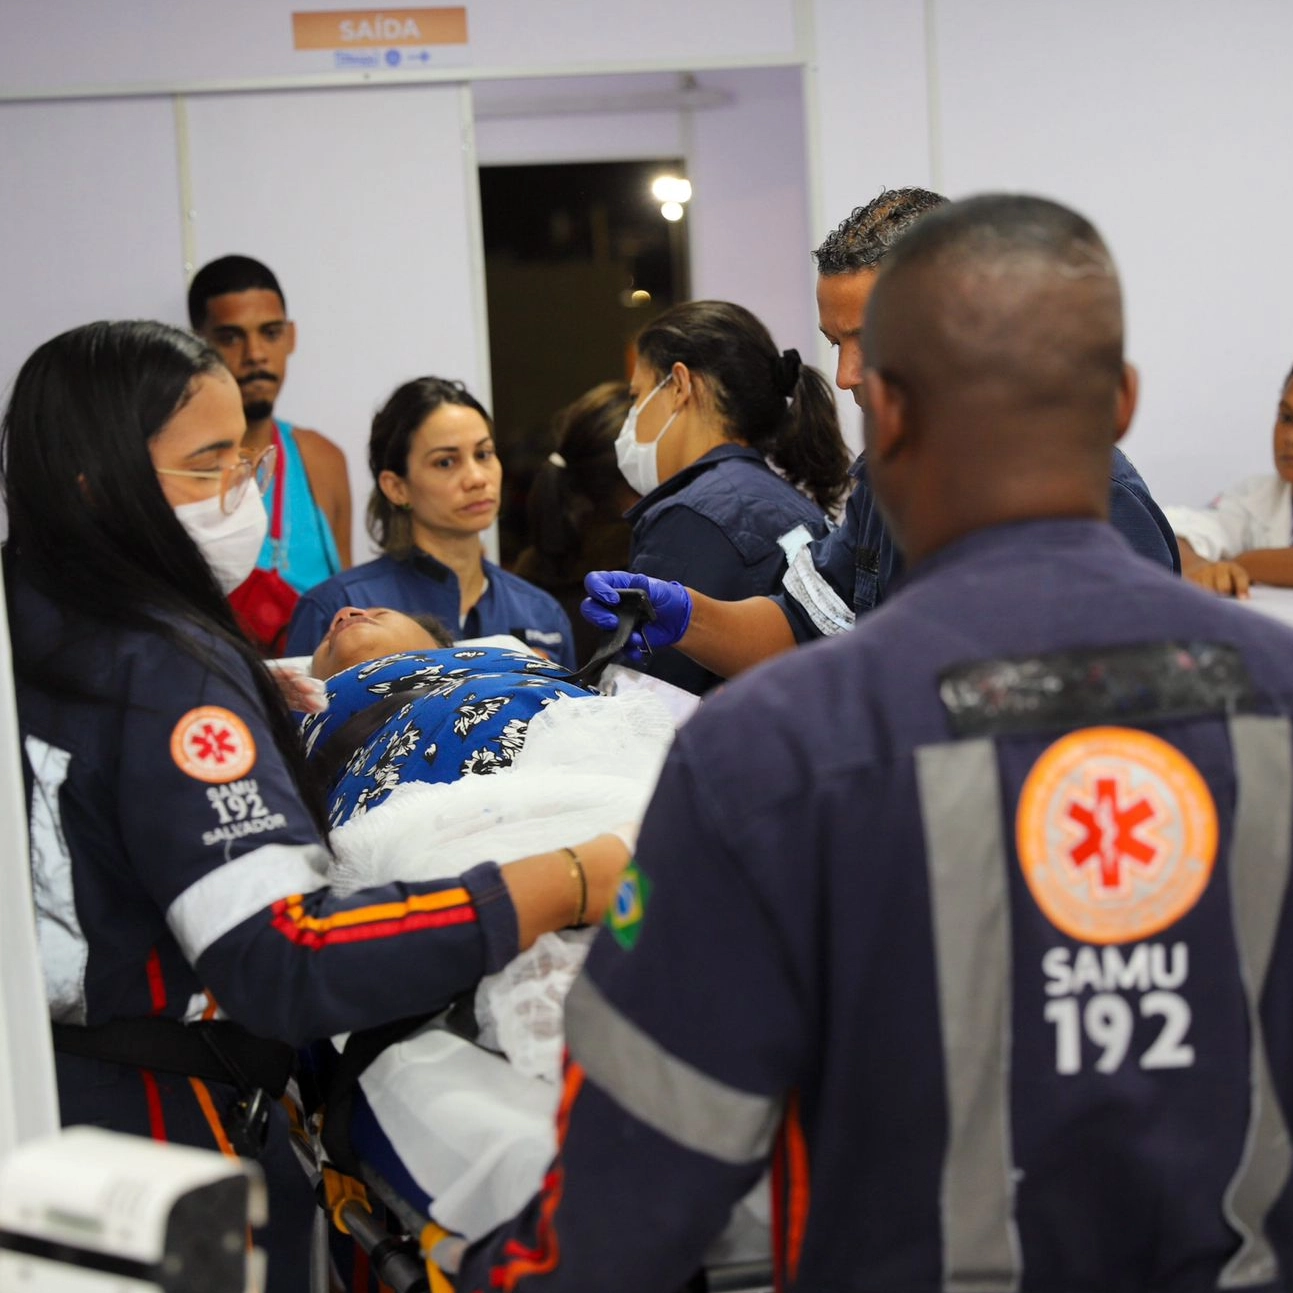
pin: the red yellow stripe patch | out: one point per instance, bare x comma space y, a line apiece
382, 920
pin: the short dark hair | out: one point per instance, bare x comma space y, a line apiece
394, 426
998, 229
226, 275
1039, 316
863, 239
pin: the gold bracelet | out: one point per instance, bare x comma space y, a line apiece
581, 879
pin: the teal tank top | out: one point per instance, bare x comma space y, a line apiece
307, 551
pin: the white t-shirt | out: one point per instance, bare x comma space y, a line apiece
1256, 513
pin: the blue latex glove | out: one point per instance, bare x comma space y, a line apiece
669, 599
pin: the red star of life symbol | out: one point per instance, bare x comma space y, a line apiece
1110, 833
213, 744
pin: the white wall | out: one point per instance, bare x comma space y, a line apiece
361, 202
868, 87
750, 231
89, 214
1165, 121
53, 46
1168, 123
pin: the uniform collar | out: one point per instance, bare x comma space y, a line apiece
425, 564
1065, 535
681, 479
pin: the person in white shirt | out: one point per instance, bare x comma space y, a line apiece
1244, 537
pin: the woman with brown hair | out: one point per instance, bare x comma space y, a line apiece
436, 488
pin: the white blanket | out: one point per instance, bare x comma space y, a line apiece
473, 1130
586, 767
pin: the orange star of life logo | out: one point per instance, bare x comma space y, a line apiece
1116, 833
213, 744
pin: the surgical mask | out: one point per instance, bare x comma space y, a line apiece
638, 462
231, 543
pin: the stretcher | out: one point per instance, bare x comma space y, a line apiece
450, 1138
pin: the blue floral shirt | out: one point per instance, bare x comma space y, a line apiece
467, 710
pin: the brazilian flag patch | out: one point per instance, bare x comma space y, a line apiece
625, 916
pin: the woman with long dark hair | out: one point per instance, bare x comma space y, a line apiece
436, 489
177, 850
715, 403
576, 505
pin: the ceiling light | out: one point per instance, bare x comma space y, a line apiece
671, 188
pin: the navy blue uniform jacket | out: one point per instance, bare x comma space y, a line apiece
975, 922
849, 572
177, 872
716, 526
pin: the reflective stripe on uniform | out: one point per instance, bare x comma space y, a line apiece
659, 1089
829, 613
960, 806
207, 910
793, 540
64, 952
1259, 872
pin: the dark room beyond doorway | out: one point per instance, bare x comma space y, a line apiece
578, 258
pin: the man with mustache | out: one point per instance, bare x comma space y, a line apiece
237, 306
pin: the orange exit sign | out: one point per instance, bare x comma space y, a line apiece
365, 28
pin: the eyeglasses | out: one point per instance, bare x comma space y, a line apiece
235, 478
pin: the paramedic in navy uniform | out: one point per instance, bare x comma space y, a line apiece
436, 489
178, 860
987, 900
833, 580
716, 406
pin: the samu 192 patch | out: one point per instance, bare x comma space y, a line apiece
213, 744
624, 919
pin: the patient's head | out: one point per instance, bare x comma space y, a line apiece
356, 635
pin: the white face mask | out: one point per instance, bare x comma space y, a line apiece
231, 543
638, 462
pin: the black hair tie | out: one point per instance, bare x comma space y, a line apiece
786, 371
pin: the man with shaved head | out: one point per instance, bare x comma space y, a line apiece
974, 922
831, 582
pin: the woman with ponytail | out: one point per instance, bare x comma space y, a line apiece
577, 503
716, 407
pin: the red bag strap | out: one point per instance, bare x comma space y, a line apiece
280, 470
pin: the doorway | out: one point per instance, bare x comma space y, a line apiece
578, 258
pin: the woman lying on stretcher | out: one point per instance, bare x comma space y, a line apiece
409, 717
405, 705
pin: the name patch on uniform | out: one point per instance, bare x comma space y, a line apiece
213, 744
1114, 684
1117, 834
